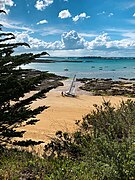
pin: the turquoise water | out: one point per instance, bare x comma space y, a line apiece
89, 68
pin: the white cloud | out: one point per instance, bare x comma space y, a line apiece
72, 40
134, 15
35, 43
98, 42
101, 13
51, 31
14, 25
42, 22
80, 16
131, 21
21, 37
89, 35
4, 3
64, 14
117, 30
9, 2
129, 5
104, 43
126, 33
129, 34
42, 4
110, 14
69, 41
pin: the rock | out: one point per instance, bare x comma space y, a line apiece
109, 87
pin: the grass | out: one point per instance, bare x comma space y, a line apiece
16, 164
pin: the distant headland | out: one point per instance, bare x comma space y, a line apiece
76, 59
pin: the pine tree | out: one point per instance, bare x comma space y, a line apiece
14, 83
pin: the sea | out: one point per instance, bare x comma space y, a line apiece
87, 67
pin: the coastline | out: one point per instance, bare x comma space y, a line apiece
87, 67
64, 111
50, 59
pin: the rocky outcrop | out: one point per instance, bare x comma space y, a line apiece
108, 87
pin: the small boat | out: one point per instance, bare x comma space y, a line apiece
65, 69
71, 92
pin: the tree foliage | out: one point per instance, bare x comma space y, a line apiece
14, 83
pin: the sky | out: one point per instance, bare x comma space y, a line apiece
72, 27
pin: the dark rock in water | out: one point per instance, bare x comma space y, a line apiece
83, 80
132, 79
100, 68
123, 78
107, 79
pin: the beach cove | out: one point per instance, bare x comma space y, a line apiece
64, 111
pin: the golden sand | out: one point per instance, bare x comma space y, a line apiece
63, 111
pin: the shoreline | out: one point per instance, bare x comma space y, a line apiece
64, 111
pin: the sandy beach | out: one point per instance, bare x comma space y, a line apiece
63, 111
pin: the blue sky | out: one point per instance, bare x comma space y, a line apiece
72, 27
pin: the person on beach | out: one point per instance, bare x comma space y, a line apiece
62, 94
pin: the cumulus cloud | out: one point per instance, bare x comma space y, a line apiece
104, 43
134, 15
42, 22
4, 3
35, 43
64, 14
99, 42
80, 16
42, 4
71, 40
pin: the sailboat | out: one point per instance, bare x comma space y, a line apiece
71, 92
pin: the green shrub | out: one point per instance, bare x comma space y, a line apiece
104, 141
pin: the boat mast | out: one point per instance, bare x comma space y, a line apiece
72, 84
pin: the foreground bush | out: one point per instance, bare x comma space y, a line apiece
103, 148
105, 140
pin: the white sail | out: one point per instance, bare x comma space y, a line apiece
71, 91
